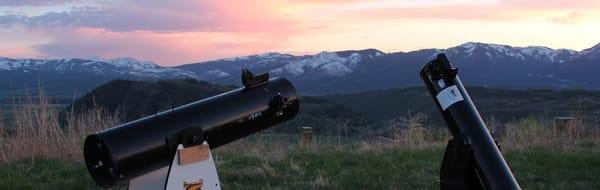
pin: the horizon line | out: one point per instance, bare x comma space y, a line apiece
293, 53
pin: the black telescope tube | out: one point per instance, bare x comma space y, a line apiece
464, 122
138, 147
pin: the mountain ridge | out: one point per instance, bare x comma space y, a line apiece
481, 64
487, 64
120, 66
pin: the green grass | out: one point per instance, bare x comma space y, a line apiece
381, 168
44, 174
347, 169
544, 169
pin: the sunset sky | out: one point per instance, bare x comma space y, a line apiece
178, 32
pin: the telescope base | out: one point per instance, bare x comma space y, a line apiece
458, 170
182, 174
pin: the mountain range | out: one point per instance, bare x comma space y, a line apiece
480, 64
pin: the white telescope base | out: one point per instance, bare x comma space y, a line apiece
198, 175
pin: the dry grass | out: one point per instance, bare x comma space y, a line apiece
413, 131
532, 133
37, 132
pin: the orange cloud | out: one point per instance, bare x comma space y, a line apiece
18, 52
571, 18
551, 4
441, 12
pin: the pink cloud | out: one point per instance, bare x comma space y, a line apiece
190, 31
161, 31
551, 4
17, 52
165, 48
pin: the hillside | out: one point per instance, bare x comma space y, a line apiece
501, 104
134, 99
361, 113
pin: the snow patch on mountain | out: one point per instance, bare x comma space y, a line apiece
4, 63
130, 63
213, 74
328, 62
273, 55
336, 69
354, 59
263, 57
497, 51
239, 58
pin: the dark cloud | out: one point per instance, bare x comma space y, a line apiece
156, 16
113, 19
33, 2
12, 19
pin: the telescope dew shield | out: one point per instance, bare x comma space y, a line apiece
465, 123
138, 147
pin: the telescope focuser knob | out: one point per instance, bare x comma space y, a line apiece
280, 102
192, 136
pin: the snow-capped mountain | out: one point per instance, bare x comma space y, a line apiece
496, 52
118, 67
480, 64
323, 64
75, 77
330, 63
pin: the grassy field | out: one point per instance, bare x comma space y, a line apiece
351, 167
40, 153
